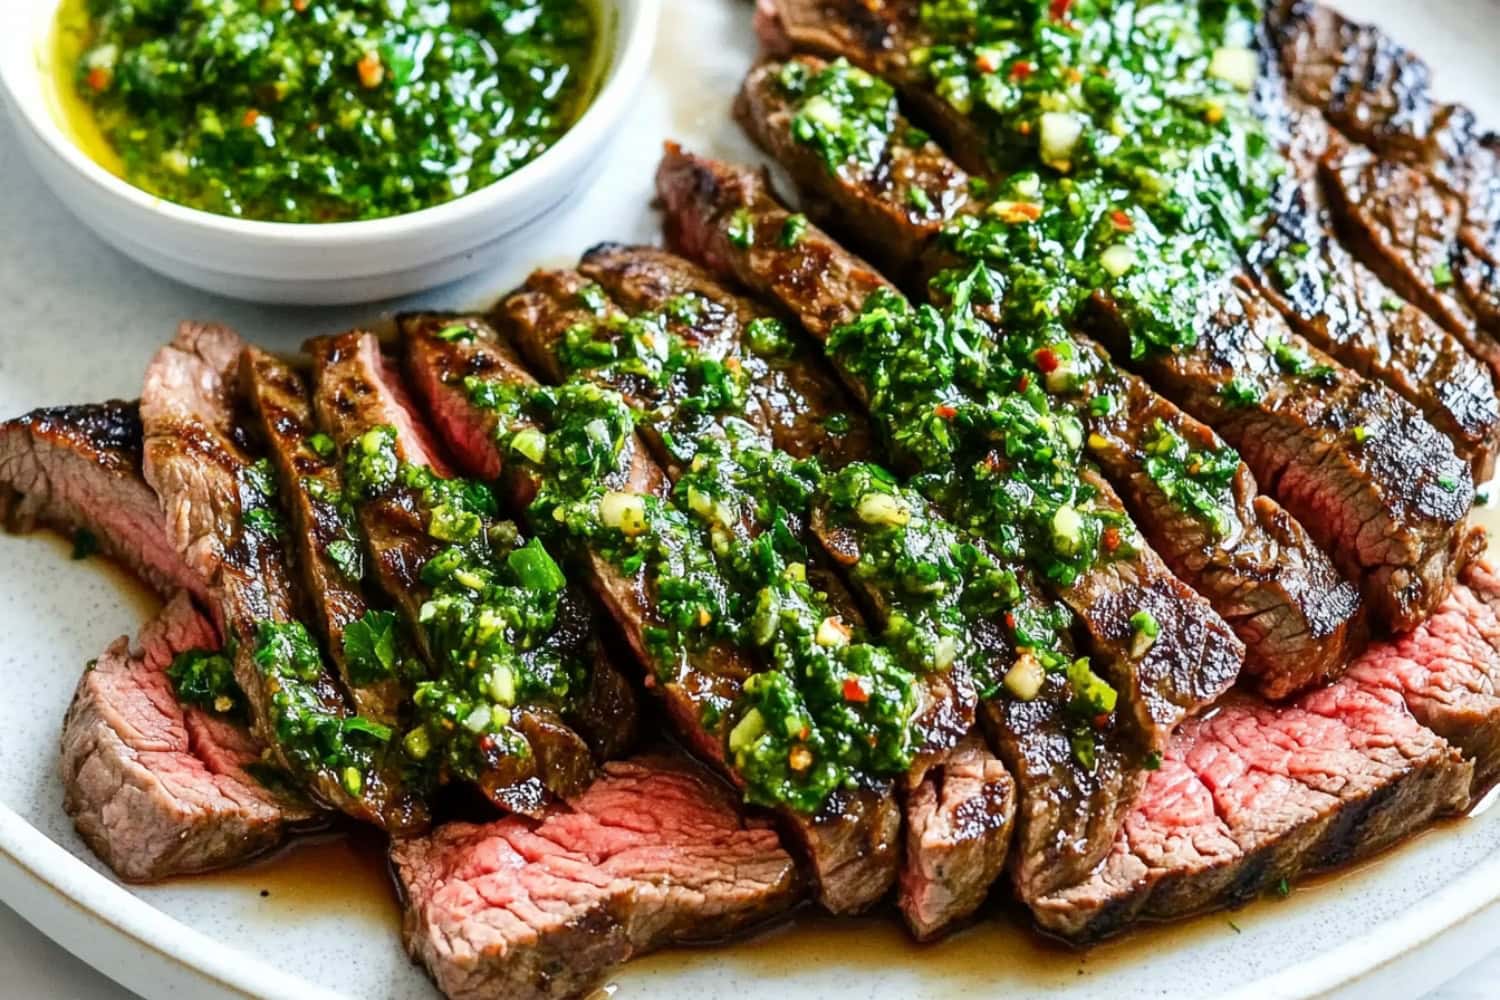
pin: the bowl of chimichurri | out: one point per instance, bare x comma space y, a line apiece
319, 151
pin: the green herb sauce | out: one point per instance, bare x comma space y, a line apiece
331, 110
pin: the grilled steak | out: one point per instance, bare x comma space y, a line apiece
851, 843
77, 469
1253, 561
221, 516
155, 788
1197, 656
652, 853
330, 552
1448, 672
1374, 483
1253, 795
958, 831
805, 412
359, 393
1339, 305
890, 209
1067, 813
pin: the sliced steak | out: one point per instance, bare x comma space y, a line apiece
1447, 671
1196, 658
653, 853
1339, 305
791, 391
1246, 554
357, 394
958, 832
1374, 483
1403, 226
330, 550
890, 208
156, 788
852, 842
1299, 620
77, 470
1254, 794
221, 516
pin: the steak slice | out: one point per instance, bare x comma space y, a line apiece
357, 393
1374, 483
1256, 794
1447, 671
1339, 305
852, 843
1251, 559
330, 550
652, 853
792, 394
1403, 226
77, 470
958, 833
1197, 656
891, 207
156, 788
221, 516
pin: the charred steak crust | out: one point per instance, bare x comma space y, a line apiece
78, 469
653, 853
1368, 476
155, 788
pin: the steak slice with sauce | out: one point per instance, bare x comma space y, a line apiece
156, 788
1067, 814
653, 853
852, 844
958, 820
1374, 483
221, 519
77, 470
1254, 562
312, 486
1256, 794
1197, 656
358, 392
793, 395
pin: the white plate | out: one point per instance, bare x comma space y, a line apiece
80, 323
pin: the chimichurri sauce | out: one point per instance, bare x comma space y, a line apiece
331, 110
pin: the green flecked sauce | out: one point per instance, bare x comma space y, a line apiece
492, 609
330, 110
1124, 162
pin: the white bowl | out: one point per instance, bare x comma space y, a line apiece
326, 263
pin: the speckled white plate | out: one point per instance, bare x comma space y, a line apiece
80, 323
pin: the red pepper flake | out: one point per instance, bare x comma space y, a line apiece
1021, 69
985, 63
98, 78
1111, 539
1046, 361
1101, 721
804, 733
945, 411
1059, 9
299, 5
1121, 221
1024, 128
371, 72
1016, 211
854, 691
1010, 621
1025, 382
251, 117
